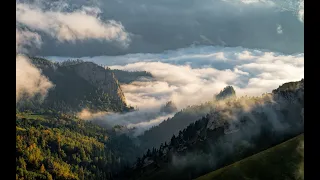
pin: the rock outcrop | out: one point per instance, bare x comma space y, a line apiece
101, 78
227, 92
169, 107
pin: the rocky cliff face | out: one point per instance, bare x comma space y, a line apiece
78, 85
101, 78
227, 92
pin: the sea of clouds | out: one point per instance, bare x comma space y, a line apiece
193, 75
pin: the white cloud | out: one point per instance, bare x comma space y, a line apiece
252, 2
145, 125
25, 38
81, 24
29, 80
139, 121
279, 29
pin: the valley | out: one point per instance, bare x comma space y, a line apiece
52, 142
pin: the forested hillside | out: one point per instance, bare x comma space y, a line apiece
79, 85
164, 131
234, 129
57, 146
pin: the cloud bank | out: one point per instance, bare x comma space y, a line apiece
193, 75
156, 26
80, 24
136, 121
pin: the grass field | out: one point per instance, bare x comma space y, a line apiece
282, 162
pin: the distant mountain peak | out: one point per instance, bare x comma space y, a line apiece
169, 107
290, 86
228, 91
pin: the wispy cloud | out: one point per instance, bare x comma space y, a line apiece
29, 80
26, 39
138, 121
279, 29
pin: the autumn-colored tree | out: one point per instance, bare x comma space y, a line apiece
42, 169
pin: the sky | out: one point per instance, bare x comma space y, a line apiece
80, 28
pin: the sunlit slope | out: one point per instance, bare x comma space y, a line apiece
284, 161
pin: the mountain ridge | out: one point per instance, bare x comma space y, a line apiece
266, 124
78, 85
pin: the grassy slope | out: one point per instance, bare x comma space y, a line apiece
283, 162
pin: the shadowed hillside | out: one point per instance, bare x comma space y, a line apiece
77, 85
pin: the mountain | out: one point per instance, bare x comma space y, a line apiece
164, 131
126, 77
78, 85
227, 92
284, 161
169, 107
234, 129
